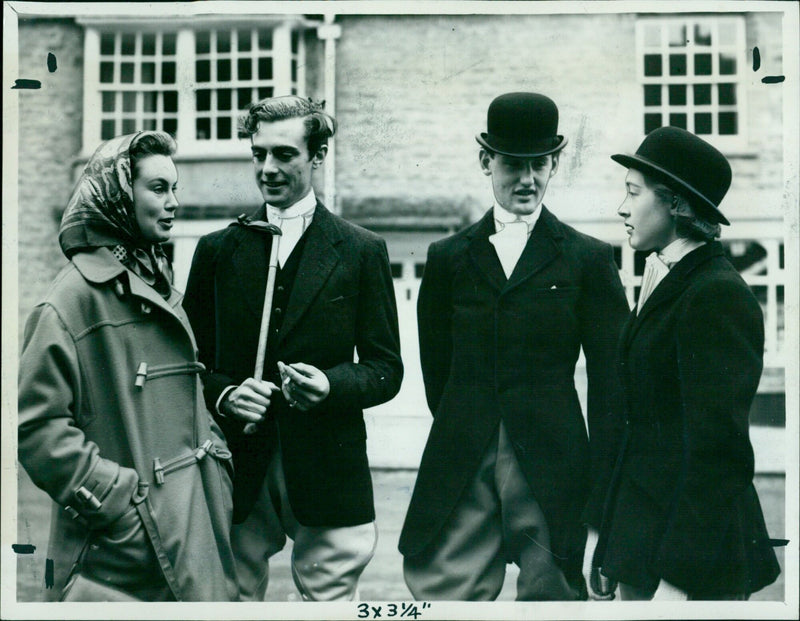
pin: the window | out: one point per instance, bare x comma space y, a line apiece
691, 71
192, 82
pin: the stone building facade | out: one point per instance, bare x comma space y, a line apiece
409, 92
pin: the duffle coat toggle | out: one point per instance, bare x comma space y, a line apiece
160, 470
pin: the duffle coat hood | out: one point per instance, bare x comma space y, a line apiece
111, 414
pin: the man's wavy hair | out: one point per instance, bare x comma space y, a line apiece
320, 126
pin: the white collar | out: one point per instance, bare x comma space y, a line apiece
678, 249
304, 207
502, 215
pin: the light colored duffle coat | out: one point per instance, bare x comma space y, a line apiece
111, 413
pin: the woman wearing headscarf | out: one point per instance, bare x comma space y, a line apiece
112, 423
682, 518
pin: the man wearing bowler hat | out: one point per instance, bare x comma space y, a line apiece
505, 306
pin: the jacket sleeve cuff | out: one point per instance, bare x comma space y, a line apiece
104, 495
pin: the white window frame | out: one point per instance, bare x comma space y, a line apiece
725, 142
185, 76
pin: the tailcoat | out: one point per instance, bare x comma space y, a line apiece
497, 349
112, 422
682, 506
341, 301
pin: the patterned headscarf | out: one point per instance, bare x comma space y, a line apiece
101, 213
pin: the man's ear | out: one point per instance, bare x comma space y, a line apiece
555, 158
484, 157
319, 156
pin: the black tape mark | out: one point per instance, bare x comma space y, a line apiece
22, 83
52, 63
773, 79
756, 59
49, 571
23, 548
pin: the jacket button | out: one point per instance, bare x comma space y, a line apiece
278, 311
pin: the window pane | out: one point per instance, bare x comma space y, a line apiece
107, 130
168, 73
126, 73
702, 64
203, 129
652, 35
243, 98
243, 40
396, 269
128, 102
108, 101
223, 128
702, 123
224, 70
107, 43
264, 68
148, 73
171, 126
244, 68
727, 64
727, 123
727, 33
170, 101
677, 64
677, 35
202, 42
149, 124
148, 44
128, 44
149, 101
677, 94
204, 100
223, 41
702, 94
651, 122
294, 70
224, 99
168, 44
203, 70
702, 34
295, 41
128, 126
652, 64
727, 94
106, 72
265, 39
678, 120
265, 92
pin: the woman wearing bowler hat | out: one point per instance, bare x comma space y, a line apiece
682, 519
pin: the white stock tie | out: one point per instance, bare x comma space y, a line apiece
654, 272
292, 230
509, 242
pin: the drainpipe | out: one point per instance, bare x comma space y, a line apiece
329, 32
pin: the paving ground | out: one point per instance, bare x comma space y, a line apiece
383, 578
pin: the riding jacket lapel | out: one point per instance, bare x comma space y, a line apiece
540, 250
317, 261
483, 254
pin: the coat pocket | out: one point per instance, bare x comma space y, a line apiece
121, 554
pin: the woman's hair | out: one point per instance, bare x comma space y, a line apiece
320, 126
150, 143
687, 223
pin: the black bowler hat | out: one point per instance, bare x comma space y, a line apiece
685, 163
522, 125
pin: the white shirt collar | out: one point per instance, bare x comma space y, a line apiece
678, 249
501, 215
304, 207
